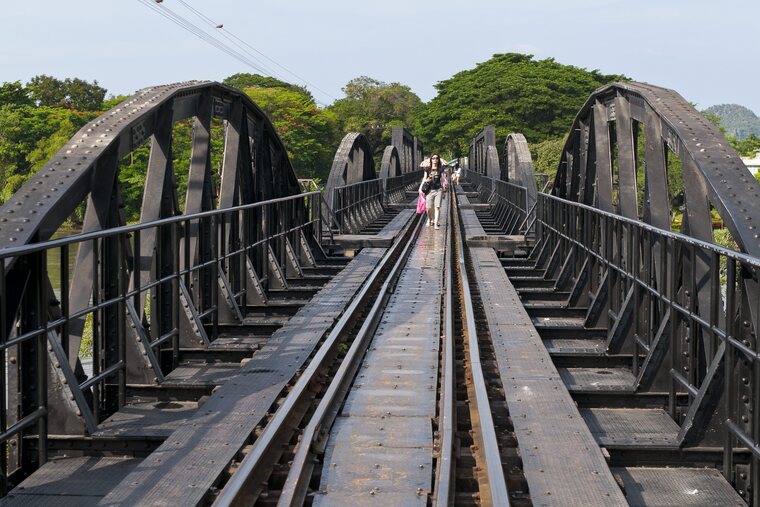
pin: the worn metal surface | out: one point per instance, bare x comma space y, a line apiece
597, 379
71, 482
664, 487
518, 166
384, 238
575, 346
631, 427
484, 156
408, 147
562, 463
390, 165
380, 449
154, 420
353, 163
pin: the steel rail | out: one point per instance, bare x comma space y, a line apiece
489, 448
444, 483
314, 439
242, 487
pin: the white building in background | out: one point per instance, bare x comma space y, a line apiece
752, 163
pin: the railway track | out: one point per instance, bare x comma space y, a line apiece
489, 469
473, 454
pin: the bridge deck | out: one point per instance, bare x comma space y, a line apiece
533, 327
198, 452
383, 238
555, 377
380, 449
561, 460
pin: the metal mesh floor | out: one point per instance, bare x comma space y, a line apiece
661, 487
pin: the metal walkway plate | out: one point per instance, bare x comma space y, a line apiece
597, 380
380, 449
154, 420
561, 460
70, 482
632, 427
687, 487
384, 238
571, 346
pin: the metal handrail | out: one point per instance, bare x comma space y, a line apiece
53, 328
357, 204
689, 240
6, 252
716, 315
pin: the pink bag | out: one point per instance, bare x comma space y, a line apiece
421, 204
444, 181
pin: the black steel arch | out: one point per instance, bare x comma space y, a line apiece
484, 156
352, 163
86, 166
255, 167
602, 170
409, 148
713, 173
518, 166
391, 163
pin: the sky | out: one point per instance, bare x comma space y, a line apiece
708, 51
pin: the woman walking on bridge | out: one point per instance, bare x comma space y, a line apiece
432, 187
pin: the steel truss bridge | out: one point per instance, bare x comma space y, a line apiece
249, 342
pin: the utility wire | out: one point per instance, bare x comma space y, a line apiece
230, 36
220, 28
198, 32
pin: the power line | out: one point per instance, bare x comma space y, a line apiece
230, 36
198, 32
220, 28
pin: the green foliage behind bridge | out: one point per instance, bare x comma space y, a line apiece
513, 92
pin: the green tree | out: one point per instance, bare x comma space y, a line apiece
14, 94
308, 132
48, 146
746, 147
513, 92
546, 156
70, 93
113, 101
244, 80
372, 107
29, 136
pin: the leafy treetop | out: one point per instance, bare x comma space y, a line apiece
513, 92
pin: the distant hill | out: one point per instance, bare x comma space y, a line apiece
739, 121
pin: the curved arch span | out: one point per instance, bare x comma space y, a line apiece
518, 165
255, 162
663, 125
352, 163
391, 163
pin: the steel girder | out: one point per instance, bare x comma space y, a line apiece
484, 156
518, 166
391, 163
673, 351
255, 167
36, 211
409, 148
712, 169
353, 163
